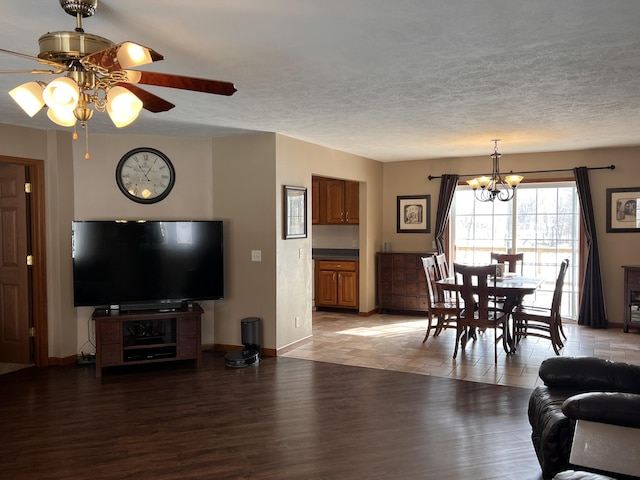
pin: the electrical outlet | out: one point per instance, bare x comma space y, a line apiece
355, 244
256, 255
297, 322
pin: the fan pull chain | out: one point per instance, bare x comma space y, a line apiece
75, 132
86, 141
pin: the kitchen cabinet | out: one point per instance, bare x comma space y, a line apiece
336, 283
335, 202
315, 201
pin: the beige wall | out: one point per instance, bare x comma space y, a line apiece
97, 196
244, 198
54, 149
616, 249
297, 162
239, 180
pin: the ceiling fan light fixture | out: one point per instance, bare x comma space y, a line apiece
82, 111
29, 97
123, 106
61, 93
62, 116
133, 55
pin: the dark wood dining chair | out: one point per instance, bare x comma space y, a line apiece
442, 310
477, 290
443, 265
543, 322
513, 262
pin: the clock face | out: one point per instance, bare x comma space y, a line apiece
145, 175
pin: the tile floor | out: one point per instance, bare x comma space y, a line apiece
11, 367
394, 342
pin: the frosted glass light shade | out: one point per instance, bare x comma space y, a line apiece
62, 116
123, 106
61, 93
473, 183
133, 55
484, 181
29, 97
513, 180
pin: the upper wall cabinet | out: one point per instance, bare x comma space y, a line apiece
335, 202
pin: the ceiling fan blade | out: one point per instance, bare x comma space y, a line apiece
217, 87
120, 57
150, 102
58, 67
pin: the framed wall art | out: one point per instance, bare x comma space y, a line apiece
295, 212
622, 210
414, 214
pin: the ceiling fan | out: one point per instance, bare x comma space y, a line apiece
97, 75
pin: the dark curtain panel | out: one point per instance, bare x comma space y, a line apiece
448, 185
592, 308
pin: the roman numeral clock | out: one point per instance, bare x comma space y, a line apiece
145, 175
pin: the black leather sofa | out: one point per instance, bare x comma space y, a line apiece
579, 388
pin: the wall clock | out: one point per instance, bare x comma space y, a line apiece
145, 175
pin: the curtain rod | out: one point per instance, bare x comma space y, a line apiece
609, 167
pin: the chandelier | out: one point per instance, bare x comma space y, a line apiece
488, 189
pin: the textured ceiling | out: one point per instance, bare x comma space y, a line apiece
402, 80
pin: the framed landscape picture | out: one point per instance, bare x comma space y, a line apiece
295, 212
414, 214
622, 210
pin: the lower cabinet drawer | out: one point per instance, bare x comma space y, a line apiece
187, 347
110, 332
111, 354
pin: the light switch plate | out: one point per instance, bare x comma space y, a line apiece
256, 255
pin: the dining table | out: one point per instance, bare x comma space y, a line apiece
511, 289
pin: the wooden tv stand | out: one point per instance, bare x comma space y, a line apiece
147, 336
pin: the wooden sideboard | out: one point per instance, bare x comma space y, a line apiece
631, 296
402, 285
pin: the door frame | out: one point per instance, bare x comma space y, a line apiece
38, 250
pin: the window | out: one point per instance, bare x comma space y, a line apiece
543, 221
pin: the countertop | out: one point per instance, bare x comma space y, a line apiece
335, 253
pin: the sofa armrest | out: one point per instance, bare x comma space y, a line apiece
614, 408
590, 374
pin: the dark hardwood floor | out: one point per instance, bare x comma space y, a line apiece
283, 419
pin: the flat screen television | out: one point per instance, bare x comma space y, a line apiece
146, 265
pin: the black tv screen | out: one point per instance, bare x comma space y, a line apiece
146, 264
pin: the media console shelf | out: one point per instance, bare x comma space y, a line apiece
135, 337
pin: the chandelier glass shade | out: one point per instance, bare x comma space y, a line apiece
490, 188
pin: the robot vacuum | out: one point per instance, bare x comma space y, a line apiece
241, 358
